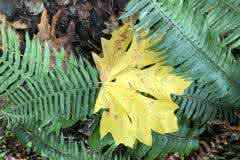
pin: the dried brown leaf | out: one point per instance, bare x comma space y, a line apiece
19, 25
44, 27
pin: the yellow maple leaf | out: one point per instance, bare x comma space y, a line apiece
136, 90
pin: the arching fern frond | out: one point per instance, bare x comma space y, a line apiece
197, 104
59, 148
224, 17
49, 146
16, 67
59, 97
190, 46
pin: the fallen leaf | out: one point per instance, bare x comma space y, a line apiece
66, 41
44, 27
19, 24
54, 22
136, 90
47, 32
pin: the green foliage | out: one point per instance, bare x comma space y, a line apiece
16, 68
192, 44
54, 148
223, 17
198, 105
44, 96
48, 145
60, 96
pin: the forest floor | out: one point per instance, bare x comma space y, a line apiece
78, 25
219, 142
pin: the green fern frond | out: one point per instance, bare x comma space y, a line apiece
197, 104
189, 45
49, 146
15, 68
224, 17
65, 96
